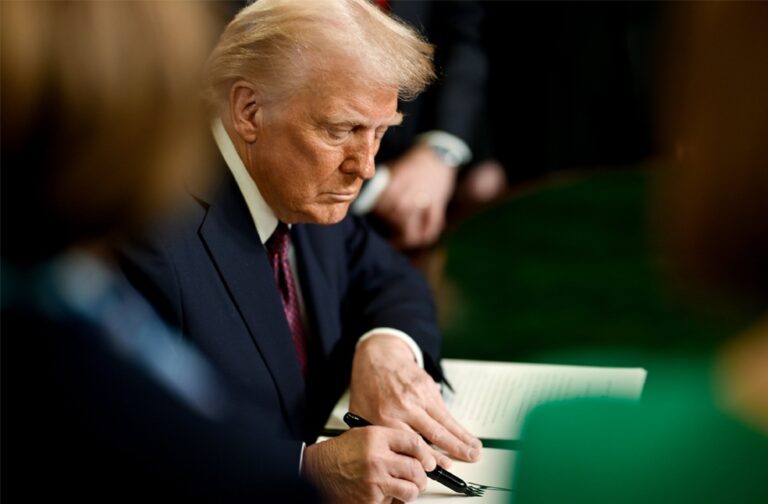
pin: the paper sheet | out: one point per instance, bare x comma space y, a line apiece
491, 399
493, 469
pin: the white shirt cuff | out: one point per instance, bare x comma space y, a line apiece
417, 354
456, 151
372, 191
301, 457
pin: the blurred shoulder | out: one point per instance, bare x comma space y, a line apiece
676, 445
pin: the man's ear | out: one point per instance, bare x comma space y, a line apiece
245, 104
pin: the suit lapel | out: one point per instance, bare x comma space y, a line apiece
240, 258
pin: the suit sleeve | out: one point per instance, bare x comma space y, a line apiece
462, 68
386, 291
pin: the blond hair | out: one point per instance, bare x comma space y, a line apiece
278, 45
98, 110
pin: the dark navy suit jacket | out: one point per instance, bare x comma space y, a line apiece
207, 272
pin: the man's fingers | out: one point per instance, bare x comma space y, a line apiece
431, 419
410, 469
434, 222
413, 228
443, 417
400, 489
443, 438
443, 460
411, 444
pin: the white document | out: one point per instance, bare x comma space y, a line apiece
491, 399
493, 469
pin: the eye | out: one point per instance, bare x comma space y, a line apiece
339, 133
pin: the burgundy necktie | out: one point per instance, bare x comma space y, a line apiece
277, 248
383, 5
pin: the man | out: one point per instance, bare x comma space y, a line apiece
419, 163
291, 310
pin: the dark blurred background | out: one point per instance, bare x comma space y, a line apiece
565, 263
571, 83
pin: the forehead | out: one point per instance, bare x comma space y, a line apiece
336, 97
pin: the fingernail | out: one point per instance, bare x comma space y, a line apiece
446, 463
473, 453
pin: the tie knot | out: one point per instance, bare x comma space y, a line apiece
278, 243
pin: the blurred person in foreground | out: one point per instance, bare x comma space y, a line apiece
101, 401
266, 273
701, 435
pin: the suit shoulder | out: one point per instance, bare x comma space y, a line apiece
174, 227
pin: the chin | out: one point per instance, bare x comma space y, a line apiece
320, 213
332, 214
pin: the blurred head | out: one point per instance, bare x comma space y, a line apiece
99, 117
307, 90
714, 200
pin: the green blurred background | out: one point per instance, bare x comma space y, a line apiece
565, 273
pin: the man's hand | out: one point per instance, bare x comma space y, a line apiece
388, 388
370, 464
415, 200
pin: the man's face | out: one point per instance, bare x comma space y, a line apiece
314, 150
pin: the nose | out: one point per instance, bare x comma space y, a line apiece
359, 158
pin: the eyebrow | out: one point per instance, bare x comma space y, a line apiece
395, 120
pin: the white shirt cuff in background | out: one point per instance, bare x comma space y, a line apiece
371, 191
301, 457
451, 149
418, 356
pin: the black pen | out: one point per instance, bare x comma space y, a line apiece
438, 474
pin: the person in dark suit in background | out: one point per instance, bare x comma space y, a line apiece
419, 162
267, 274
101, 400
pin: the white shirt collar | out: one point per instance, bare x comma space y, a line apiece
263, 217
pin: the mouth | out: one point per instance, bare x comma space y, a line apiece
341, 197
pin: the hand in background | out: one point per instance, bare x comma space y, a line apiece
388, 388
415, 201
370, 464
